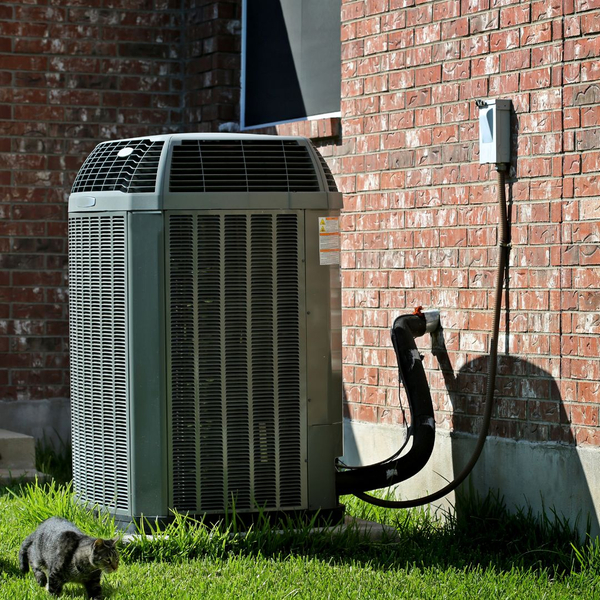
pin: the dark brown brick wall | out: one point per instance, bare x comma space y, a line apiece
212, 71
72, 74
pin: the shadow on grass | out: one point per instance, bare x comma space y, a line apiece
10, 568
76, 590
482, 535
486, 535
54, 459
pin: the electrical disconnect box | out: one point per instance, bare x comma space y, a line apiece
494, 131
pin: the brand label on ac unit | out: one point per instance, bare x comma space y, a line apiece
329, 241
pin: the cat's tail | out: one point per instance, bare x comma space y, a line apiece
24, 554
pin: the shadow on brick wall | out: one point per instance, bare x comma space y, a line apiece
530, 455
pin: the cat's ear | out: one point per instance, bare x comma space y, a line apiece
98, 543
112, 542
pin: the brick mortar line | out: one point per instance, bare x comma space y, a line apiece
457, 39
376, 36
453, 19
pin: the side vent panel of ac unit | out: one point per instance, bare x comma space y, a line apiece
98, 344
235, 357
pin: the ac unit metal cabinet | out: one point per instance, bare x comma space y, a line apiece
205, 326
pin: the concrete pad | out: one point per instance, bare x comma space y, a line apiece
17, 451
374, 531
17, 459
11, 476
370, 529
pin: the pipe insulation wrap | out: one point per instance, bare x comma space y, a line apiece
412, 374
432, 320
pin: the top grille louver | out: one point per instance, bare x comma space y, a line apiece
105, 171
242, 166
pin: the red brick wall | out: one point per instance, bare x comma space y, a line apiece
72, 74
420, 212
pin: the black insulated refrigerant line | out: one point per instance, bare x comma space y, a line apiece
422, 429
397, 468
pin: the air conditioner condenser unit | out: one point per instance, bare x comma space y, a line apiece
205, 326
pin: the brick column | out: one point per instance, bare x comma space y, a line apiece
212, 71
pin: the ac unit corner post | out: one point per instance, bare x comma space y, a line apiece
205, 327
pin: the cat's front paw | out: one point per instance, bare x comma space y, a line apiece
95, 594
55, 585
40, 577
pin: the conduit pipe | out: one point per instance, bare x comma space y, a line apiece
359, 480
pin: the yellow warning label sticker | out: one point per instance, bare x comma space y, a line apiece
329, 241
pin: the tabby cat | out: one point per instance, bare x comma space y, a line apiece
59, 553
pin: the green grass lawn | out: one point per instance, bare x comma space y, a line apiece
485, 553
